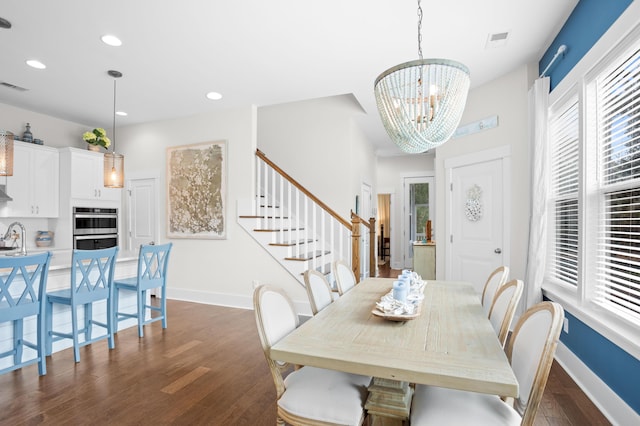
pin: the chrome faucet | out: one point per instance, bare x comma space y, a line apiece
23, 247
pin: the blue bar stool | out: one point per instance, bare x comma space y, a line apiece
23, 281
91, 281
152, 273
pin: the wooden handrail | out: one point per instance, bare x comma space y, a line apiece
362, 221
304, 190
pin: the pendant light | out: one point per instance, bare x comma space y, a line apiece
114, 163
6, 161
6, 153
421, 102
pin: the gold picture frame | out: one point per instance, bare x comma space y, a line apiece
197, 191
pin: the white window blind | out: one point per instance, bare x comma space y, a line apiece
564, 155
618, 123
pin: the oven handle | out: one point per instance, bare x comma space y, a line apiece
95, 216
95, 237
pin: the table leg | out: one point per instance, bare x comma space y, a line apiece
389, 402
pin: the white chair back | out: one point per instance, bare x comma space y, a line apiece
276, 316
530, 351
504, 307
496, 280
345, 278
318, 290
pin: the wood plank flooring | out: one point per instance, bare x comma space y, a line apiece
207, 368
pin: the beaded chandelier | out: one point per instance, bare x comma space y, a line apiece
421, 102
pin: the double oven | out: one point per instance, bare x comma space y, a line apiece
95, 228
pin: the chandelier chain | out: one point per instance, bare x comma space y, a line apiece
419, 30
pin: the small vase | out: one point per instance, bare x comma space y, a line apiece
92, 147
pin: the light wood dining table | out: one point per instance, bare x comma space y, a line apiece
450, 344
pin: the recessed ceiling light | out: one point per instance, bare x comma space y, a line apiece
111, 40
121, 113
36, 64
214, 96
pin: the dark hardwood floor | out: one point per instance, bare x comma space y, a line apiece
207, 368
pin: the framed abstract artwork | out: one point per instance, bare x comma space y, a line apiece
197, 191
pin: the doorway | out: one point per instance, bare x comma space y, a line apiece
419, 207
384, 229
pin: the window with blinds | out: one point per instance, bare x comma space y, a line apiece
618, 134
562, 258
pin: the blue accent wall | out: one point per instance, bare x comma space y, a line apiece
618, 369
589, 20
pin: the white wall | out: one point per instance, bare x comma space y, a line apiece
505, 97
210, 271
317, 143
53, 131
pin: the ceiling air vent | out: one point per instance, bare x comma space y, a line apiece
497, 39
13, 86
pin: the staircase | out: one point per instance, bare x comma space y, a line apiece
298, 230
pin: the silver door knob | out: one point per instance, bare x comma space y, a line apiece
498, 250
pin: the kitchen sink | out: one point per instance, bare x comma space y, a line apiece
8, 251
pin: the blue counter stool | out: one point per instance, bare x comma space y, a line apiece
91, 281
23, 282
152, 273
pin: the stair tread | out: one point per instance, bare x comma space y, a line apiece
261, 217
277, 229
308, 256
326, 267
290, 243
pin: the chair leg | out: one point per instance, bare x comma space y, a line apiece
49, 328
142, 302
110, 323
17, 341
74, 333
116, 299
42, 358
88, 316
163, 306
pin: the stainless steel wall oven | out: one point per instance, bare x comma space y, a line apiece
95, 228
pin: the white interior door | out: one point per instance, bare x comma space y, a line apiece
142, 212
478, 231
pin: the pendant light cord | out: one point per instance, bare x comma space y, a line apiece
114, 115
419, 30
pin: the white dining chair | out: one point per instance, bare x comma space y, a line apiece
318, 290
530, 352
307, 395
345, 278
504, 307
496, 280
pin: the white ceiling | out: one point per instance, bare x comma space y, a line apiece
253, 51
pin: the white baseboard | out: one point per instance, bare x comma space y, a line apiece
610, 404
229, 300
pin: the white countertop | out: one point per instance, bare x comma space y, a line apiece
61, 258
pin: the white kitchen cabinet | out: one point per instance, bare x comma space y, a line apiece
87, 178
34, 185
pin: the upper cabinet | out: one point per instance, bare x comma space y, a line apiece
34, 185
83, 170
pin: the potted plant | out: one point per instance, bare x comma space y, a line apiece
96, 138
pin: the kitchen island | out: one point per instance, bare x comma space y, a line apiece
59, 278
424, 259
